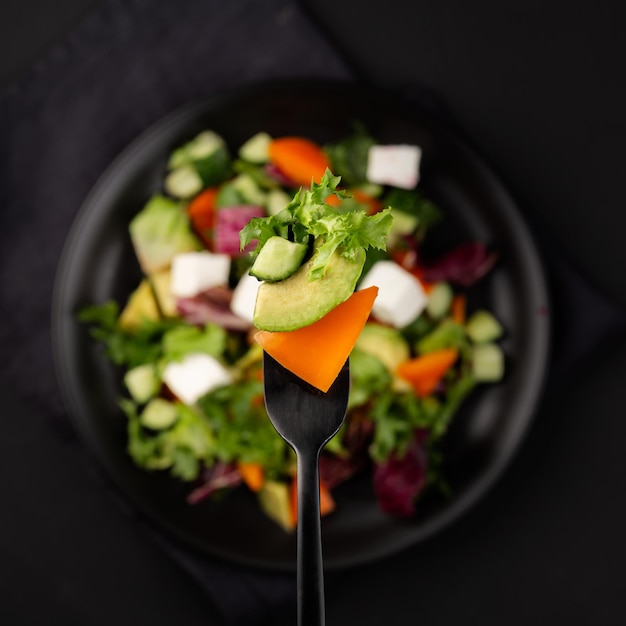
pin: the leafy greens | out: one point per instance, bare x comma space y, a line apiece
309, 216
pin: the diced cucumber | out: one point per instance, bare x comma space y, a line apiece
183, 181
205, 144
278, 259
276, 201
256, 149
158, 414
257, 172
207, 156
249, 190
487, 362
215, 167
142, 382
483, 327
200, 147
403, 224
373, 190
439, 300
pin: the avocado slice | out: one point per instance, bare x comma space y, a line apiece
385, 343
274, 501
141, 305
296, 302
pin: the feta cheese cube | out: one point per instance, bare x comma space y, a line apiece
193, 272
401, 297
244, 297
396, 165
194, 376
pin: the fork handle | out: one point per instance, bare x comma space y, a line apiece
310, 574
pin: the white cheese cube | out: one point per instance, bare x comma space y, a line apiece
194, 376
401, 297
396, 165
244, 297
193, 272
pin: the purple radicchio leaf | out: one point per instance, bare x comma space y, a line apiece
219, 476
335, 470
275, 173
228, 222
464, 265
399, 480
211, 306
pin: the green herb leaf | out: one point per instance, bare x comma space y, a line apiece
412, 202
349, 157
308, 215
241, 427
125, 348
183, 340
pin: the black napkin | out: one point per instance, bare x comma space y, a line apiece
127, 65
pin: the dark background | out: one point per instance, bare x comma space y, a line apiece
538, 88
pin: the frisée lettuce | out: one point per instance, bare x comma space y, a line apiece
308, 215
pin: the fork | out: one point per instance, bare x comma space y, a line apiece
306, 418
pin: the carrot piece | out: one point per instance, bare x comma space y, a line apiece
316, 353
458, 308
252, 474
333, 200
327, 502
299, 159
425, 371
201, 212
426, 286
374, 205
408, 260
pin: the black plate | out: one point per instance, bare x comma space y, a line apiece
98, 263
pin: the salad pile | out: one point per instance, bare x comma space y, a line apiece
184, 340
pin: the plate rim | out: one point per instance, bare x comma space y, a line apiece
506, 202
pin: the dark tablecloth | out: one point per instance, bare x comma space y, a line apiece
126, 66
121, 70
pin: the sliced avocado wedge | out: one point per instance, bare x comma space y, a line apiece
297, 301
385, 343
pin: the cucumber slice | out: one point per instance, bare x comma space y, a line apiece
159, 414
487, 363
256, 149
371, 189
142, 382
403, 224
214, 168
439, 300
247, 188
278, 259
200, 147
183, 182
483, 327
277, 200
